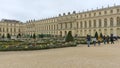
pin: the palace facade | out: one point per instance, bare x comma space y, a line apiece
104, 20
11, 27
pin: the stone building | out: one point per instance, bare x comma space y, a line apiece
11, 27
104, 20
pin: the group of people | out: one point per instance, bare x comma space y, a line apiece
104, 39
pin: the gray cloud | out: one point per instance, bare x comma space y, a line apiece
36, 9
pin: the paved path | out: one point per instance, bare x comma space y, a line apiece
104, 56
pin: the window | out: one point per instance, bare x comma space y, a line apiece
118, 10
0, 30
105, 22
19, 30
7, 29
81, 15
94, 14
99, 13
94, 23
100, 23
77, 25
81, 24
65, 25
111, 11
61, 26
89, 23
57, 26
3, 30
85, 15
89, 14
118, 21
54, 27
105, 12
49, 27
70, 25
85, 32
14, 30
11, 30
85, 24
111, 21
77, 16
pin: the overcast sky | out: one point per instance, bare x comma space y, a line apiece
24, 10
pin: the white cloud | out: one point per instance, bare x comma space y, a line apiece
36, 9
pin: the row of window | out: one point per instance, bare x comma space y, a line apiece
99, 23
84, 24
11, 30
6, 24
98, 13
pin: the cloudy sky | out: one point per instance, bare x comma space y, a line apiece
24, 10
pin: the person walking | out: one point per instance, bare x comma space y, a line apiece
104, 39
112, 39
88, 40
108, 39
94, 41
99, 40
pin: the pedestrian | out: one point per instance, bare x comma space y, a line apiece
99, 40
112, 39
94, 41
104, 39
88, 40
108, 38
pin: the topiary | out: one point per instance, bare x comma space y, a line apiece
69, 37
96, 35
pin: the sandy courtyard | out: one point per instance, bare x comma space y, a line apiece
104, 56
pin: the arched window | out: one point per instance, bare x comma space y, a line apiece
85, 24
85, 32
65, 33
99, 13
89, 14
105, 22
11, 30
0, 30
105, 12
61, 26
14, 29
7, 30
81, 24
57, 26
118, 10
77, 25
100, 23
111, 11
85, 15
70, 25
49, 27
54, 27
94, 23
94, 14
4, 30
60, 33
89, 23
111, 22
65, 25
118, 21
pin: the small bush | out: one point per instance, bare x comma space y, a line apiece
69, 37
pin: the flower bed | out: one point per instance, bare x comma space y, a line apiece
35, 46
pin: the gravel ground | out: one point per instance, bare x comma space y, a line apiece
104, 56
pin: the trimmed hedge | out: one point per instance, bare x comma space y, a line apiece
37, 47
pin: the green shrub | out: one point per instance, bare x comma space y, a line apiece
69, 37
